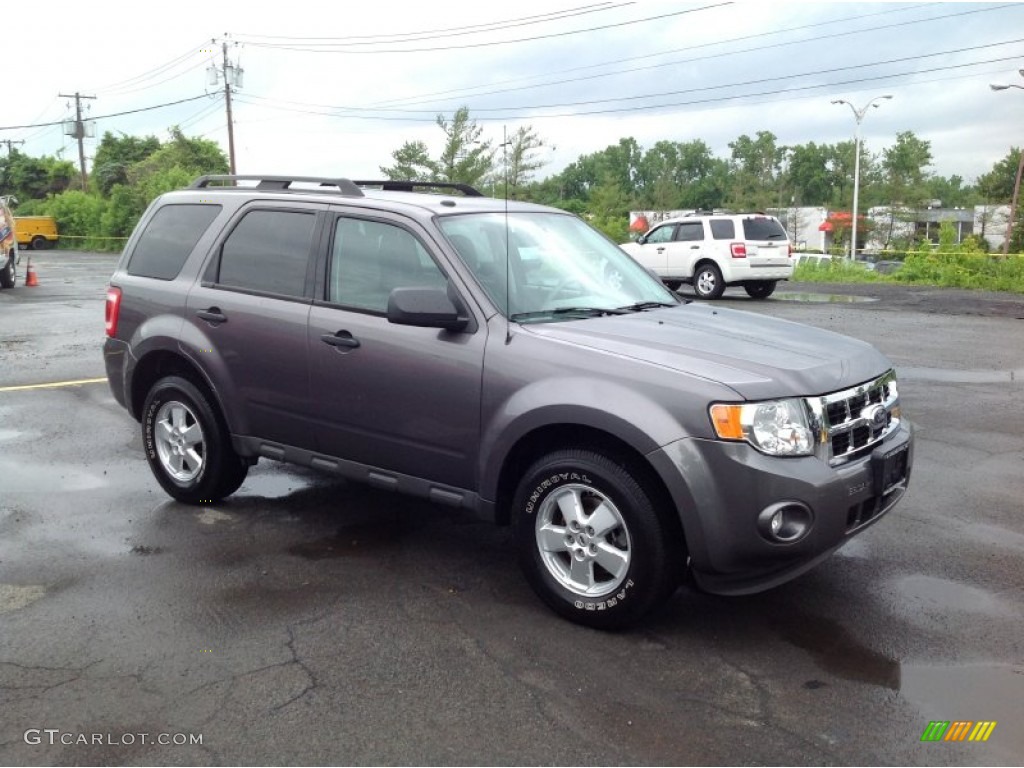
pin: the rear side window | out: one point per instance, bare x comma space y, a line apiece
690, 231
763, 228
723, 229
169, 238
268, 252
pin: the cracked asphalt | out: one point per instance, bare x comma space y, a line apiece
310, 621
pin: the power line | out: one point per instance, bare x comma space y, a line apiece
148, 85
316, 48
833, 70
432, 34
155, 72
642, 108
729, 53
112, 114
718, 86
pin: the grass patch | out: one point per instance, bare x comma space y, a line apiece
978, 271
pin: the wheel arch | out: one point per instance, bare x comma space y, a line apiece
156, 365
546, 439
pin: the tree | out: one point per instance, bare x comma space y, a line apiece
27, 178
115, 156
808, 175
996, 186
904, 165
465, 158
756, 164
412, 163
522, 159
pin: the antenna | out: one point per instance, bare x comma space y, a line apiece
508, 251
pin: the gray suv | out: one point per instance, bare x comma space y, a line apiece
475, 352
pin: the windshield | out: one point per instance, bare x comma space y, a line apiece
559, 268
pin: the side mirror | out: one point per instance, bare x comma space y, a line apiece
641, 239
425, 308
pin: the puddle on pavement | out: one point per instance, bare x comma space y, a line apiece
273, 484
213, 516
22, 476
949, 376
349, 541
822, 298
971, 692
932, 595
837, 652
13, 596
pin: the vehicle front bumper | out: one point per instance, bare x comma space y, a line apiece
720, 489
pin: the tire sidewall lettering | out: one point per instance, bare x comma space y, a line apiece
607, 603
550, 482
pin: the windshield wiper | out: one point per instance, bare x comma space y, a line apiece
642, 305
563, 311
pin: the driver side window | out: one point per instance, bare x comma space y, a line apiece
371, 258
661, 234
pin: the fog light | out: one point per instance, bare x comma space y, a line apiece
785, 523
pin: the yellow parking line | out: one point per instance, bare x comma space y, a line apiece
53, 384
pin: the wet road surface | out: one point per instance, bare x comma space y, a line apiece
307, 620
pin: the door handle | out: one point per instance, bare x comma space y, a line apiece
660, 248
340, 339
694, 247
213, 315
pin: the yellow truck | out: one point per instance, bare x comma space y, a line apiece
36, 232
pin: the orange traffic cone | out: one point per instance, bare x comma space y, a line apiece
31, 281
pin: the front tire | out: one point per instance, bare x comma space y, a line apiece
186, 445
708, 282
9, 273
39, 243
590, 541
760, 290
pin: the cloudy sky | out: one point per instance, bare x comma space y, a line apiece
332, 88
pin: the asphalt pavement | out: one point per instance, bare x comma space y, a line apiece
306, 620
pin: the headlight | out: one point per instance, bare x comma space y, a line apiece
775, 427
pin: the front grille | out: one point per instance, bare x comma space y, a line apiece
856, 419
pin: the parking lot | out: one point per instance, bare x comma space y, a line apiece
310, 621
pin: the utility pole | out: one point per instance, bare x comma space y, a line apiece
10, 143
79, 133
232, 76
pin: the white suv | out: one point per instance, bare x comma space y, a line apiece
713, 251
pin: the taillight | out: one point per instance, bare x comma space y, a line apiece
791, 250
738, 250
113, 310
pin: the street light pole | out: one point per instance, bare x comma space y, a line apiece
859, 116
1020, 172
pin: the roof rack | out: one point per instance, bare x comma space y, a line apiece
390, 185
347, 187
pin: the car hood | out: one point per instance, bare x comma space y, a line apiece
758, 357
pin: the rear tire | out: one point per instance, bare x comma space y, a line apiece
187, 446
673, 285
760, 290
9, 273
708, 282
40, 243
591, 542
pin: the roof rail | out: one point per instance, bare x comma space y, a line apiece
391, 185
347, 187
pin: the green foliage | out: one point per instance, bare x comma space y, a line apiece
996, 186
464, 158
949, 266
27, 177
521, 160
130, 174
115, 156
